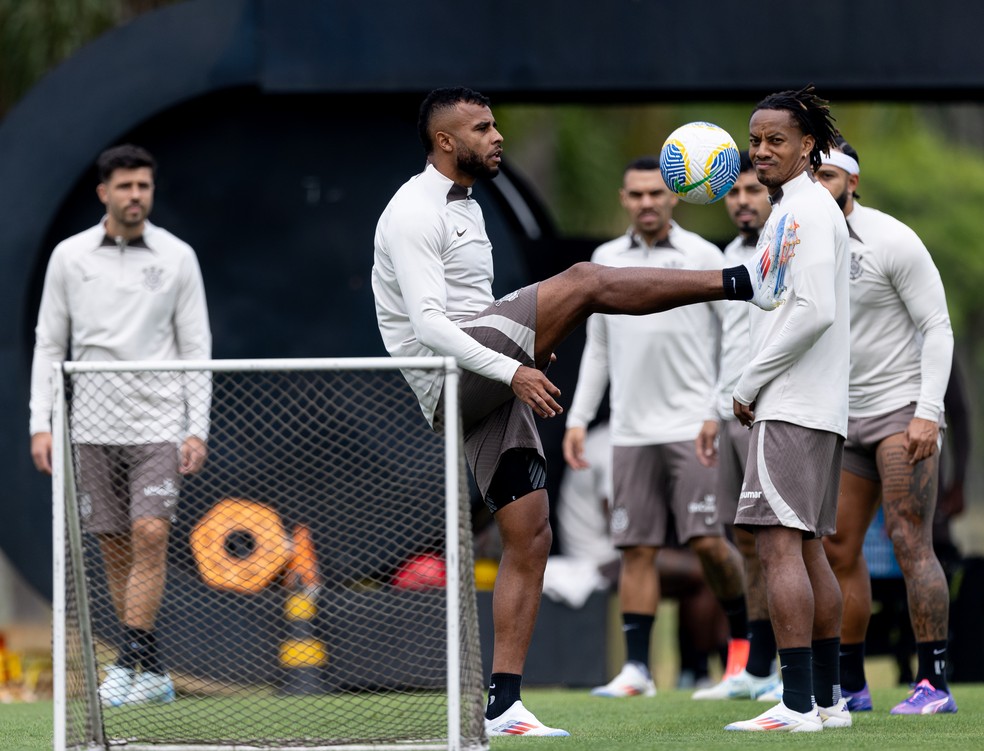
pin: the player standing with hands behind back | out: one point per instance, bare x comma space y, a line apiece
123, 290
793, 393
432, 281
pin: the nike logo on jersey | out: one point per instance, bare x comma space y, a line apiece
460, 232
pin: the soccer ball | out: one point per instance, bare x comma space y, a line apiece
699, 162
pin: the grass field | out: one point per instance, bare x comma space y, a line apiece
672, 720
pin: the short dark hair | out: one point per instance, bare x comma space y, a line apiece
643, 163
841, 144
744, 162
124, 156
811, 113
444, 99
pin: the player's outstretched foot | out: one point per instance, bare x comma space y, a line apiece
741, 686
151, 688
858, 701
781, 718
925, 699
768, 271
837, 716
115, 688
633, 680
518, 720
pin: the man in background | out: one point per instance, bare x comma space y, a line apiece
661, 371
123, 290
901, 355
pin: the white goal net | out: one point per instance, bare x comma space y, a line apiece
316, 588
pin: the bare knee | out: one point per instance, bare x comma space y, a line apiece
712, 551
150, 538
525, 529
842, 553
583, 281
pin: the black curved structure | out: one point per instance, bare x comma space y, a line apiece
283, 126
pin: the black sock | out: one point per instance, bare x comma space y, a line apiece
139, 648
762, 648
931, 663
852, 666
503, 693
826, 671
737, 283
638, 629
737, 616
796, 665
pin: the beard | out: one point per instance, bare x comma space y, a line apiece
841, 199
473, 164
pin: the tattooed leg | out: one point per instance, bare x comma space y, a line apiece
909, 502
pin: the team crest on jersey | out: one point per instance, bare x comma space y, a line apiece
856, 269
153, 278
508, 298
620, 519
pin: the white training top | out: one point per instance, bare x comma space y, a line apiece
661, 366
735, 341
103, 302
901, 341
801, 352
433, 267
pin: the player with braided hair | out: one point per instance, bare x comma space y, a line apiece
793, 395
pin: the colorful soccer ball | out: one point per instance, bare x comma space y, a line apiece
699, 162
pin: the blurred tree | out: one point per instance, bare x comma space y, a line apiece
36, 35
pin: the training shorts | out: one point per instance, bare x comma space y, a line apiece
659, 484
493, 419
792, 479
118, 484
865, 434
733, 442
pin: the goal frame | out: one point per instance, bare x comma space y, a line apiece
67, 532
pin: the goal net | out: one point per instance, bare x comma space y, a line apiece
316, 587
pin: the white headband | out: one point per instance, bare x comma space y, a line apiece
839, 159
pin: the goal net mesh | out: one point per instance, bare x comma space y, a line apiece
303, 599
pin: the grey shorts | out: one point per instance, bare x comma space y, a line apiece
651, 484
733, 442
117, 484
792, 479
865, 434
493, 419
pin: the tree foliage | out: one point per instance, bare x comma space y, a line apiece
36, 35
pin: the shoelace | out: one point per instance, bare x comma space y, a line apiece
918, 693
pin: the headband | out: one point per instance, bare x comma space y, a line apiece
839, 159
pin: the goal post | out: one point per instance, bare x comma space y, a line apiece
316, 586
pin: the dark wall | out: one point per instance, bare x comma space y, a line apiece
283, 125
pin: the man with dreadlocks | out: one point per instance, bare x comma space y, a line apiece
793, 395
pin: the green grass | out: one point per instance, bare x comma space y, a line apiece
672, 720
26, 727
